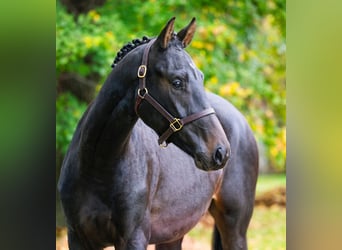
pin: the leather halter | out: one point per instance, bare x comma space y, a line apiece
176, 124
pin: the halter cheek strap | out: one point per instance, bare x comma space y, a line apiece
176, 124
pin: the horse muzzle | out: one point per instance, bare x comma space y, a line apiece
215, 161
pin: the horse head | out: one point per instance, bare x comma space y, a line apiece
179, 111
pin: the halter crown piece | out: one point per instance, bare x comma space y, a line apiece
176, 124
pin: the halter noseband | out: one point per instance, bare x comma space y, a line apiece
176, 124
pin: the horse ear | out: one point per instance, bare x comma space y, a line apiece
186, 34
166, 34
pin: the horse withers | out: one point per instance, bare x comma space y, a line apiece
119, 187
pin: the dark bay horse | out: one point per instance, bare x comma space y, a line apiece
119, 187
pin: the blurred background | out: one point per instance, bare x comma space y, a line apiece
240, 47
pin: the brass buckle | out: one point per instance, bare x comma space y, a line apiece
142, 71
176, 125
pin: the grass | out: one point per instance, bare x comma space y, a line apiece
267, 229
269, 181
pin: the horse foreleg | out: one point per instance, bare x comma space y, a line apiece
230, 227
77, 242
175, 245
74, 242
232, 207
137, 241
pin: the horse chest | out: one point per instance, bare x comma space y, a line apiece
182, 198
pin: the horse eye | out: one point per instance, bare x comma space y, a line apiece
177, 84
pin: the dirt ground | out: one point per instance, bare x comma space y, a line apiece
275, 197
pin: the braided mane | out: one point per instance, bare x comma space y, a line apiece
128, 47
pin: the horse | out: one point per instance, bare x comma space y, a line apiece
154, 152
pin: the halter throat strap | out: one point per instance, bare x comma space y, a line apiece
176, 124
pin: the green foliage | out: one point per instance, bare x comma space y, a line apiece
68, 111
85, 45
239, 46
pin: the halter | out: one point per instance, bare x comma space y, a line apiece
176, 124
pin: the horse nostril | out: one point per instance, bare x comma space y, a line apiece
220, 155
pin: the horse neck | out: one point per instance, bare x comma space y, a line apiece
108, 122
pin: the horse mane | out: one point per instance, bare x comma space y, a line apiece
128, 47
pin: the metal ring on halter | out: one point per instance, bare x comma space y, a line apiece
140, 95
163, 144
